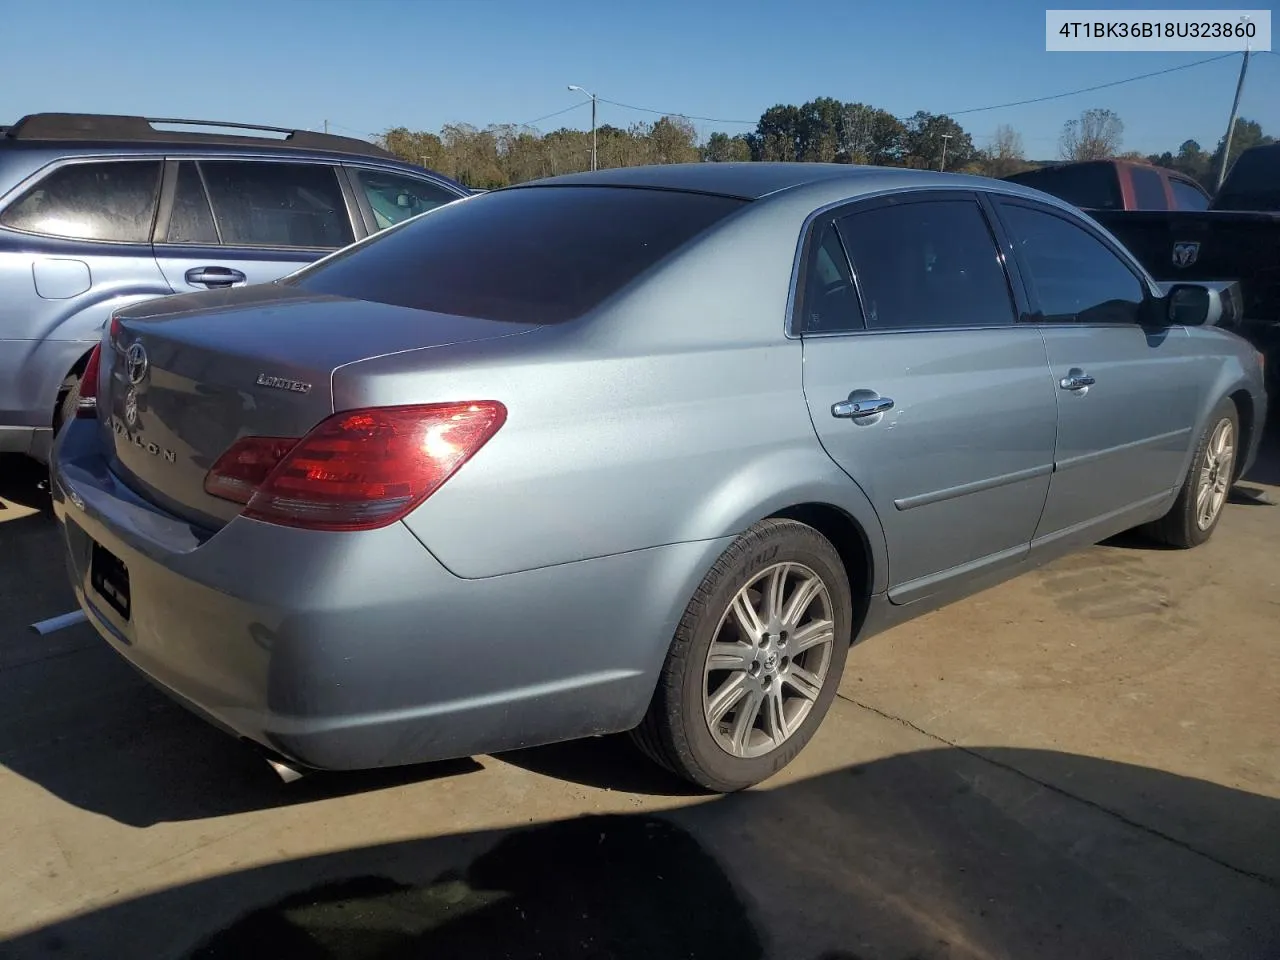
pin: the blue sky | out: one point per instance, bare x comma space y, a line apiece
366, 65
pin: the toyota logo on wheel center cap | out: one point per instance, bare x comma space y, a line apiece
135, 363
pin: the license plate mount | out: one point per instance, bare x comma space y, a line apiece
110, 579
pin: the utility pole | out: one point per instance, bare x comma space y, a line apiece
326, 126
1231, 124
943, 165
574, 86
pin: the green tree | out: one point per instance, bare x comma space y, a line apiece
722, 148
1247, 133
929, 134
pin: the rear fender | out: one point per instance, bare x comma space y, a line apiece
783, 479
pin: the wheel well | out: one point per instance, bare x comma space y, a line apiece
76, 369
1244, 409
850, 541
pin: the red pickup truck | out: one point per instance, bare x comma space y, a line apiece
1116, 185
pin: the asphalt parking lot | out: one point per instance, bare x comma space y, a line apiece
1084, 762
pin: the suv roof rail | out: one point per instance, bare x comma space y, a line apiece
101, 126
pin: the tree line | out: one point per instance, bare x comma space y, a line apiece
825, 130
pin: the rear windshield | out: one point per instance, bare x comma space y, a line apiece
530, 254
1253, 182
1093, 186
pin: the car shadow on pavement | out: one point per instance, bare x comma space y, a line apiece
24, 482
929, 855
90, 730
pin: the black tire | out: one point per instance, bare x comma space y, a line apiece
68, 400
1179, 527
675, 731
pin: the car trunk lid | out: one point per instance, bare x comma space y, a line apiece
186, 377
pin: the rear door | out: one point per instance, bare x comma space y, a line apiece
1127, 393
228, 222
923, 385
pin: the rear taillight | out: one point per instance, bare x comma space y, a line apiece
87, 405
357, 470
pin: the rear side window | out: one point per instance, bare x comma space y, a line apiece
1090, 185
264, 204
91, 201
1187, 196
192, 217
829, 299
527, 254
1148, 190
928, 264
394, 198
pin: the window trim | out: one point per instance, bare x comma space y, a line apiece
50, 169
840, 209
1074, 219
362, 204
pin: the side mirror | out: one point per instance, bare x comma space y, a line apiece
1188, 305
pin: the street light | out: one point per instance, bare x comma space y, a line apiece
574, 86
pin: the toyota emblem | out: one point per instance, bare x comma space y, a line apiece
135, 363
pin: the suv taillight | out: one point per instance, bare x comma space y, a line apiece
87, 405
356, 470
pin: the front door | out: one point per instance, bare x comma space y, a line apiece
1125, 404
232, 222
925, 388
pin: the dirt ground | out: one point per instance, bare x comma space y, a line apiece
1082, 763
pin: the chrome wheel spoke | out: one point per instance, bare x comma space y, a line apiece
812, 634
726, 697
803, 682
730, 656
774, 594
775, 715
744, 613
801, 599
744, 721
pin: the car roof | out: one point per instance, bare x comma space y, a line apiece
753, 180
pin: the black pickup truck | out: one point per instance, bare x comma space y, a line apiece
1236, 239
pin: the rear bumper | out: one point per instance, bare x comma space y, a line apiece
348, 651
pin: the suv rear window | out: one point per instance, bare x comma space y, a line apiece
113, 200
528, 254
1093, 186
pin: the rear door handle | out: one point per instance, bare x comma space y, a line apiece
215, 276
856, 409
1076, 380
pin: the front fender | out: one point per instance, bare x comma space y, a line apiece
1232, 377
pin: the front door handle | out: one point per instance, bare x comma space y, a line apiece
1076, 380
856, 409
215, 276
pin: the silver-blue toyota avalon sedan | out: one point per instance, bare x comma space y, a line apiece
643, 449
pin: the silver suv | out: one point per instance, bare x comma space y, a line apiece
98, 212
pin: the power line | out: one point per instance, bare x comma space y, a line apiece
555, 114
673, 113
1100, 86
958, 113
